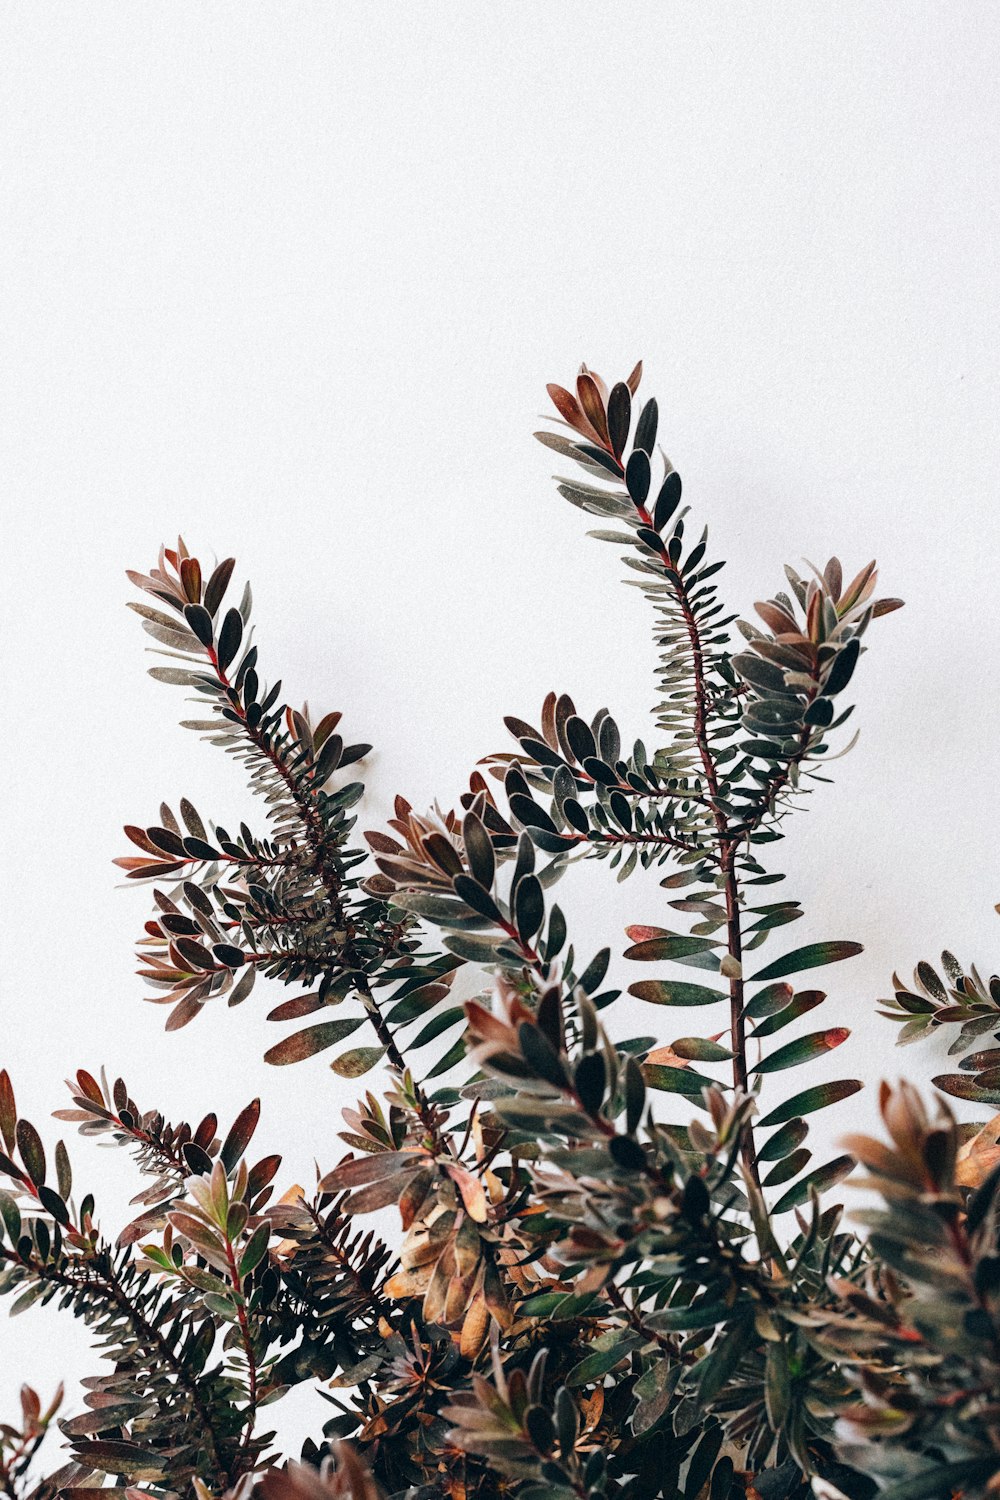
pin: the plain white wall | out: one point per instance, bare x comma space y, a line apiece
291, 278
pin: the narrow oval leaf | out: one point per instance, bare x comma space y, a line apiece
360, 1060
637, 475
961, 1086
789, 1167
811, 1100
821, 1179
230, 637
801, 1004
29, 1143
812, 956
768, 1001
676, 1080
674, 992
791, 1135
700, 1049
240, 1135
8, 1111
656, 950
803, 1049
479, 850
307, 1043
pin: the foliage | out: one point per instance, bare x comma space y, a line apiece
597, 1292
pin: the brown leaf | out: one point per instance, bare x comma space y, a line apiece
472, 1191
474, 1327
776, 618
593, 407
568, 408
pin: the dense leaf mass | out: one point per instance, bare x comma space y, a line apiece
597, 1293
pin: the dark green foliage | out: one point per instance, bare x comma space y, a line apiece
618, 1275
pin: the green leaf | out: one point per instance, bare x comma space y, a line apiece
791, 1134
635, 1095
29, 1143
777, 1385
812, 956
292, 1049
606, 1352
619, 416
802, 1050
11, 1216
595, 971
680, 1319
529, 907
567, 1420
474, 948
769, 1000
54, 1205
811, 1100
255, 1249
645, 437
637, 470
443, 1021
674, 992
627, 1153
676, 1080
656, 950
700, 1049
784, 1171
204, 1280
222, 1306
712, 1374
27, 1299
360, 1060
477, 897
822, 1178
200, 621
540, 1055
722, 1479
453, 1055
443, 911
801, 1004
556, 1305
653, 1391
702, 1461
230, 637
479, 850
843, 667
416, 1003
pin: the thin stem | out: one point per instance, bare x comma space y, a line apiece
736, 1004
725, 839
659, 840
246, 1338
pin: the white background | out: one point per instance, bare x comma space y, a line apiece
290, 279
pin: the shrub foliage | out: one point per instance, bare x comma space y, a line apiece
620, 1270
